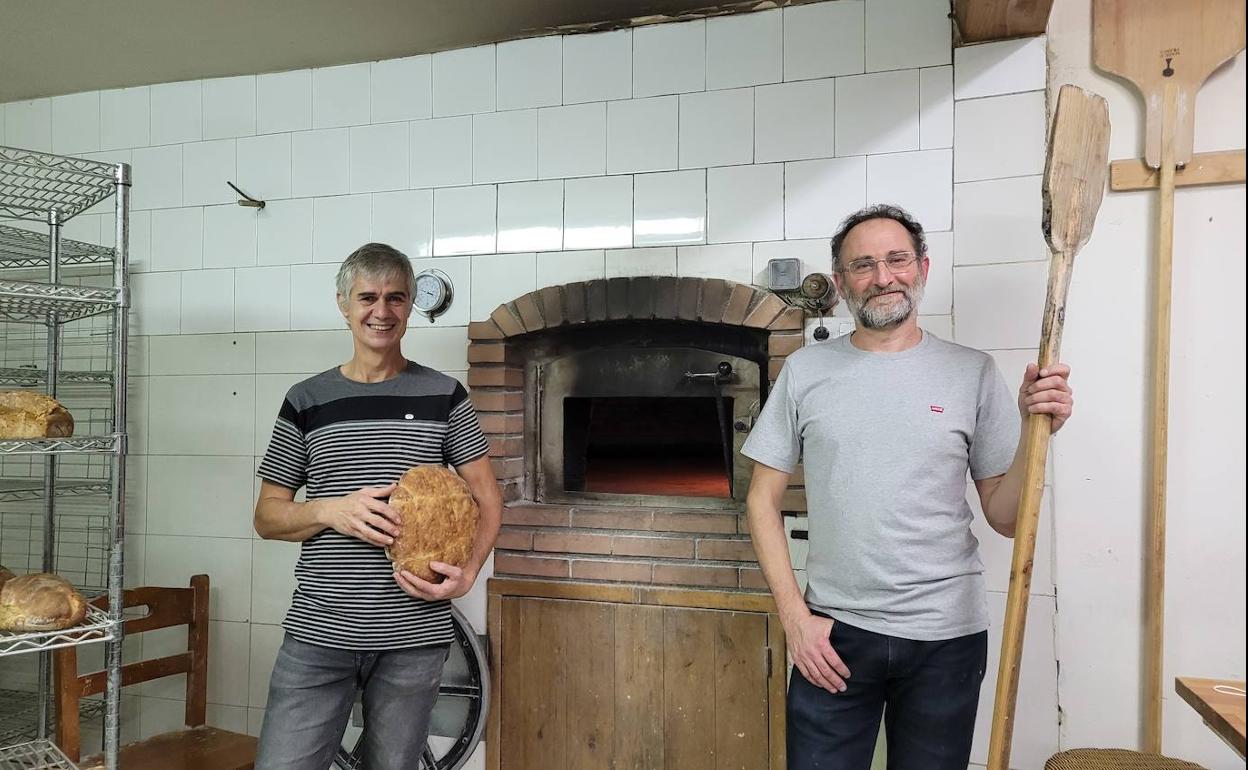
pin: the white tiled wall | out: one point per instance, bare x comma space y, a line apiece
703, 148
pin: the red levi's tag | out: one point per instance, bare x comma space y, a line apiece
937, 409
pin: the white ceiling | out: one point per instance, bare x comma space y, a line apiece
52, 47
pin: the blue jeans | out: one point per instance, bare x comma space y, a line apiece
927, 692
313, 689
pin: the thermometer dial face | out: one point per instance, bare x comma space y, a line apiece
433, 293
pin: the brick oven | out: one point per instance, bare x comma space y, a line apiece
628, 619
614, 433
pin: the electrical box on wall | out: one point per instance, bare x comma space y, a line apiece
784, 274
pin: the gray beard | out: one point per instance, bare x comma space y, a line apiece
875, 317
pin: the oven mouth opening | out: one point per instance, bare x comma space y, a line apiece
648, 445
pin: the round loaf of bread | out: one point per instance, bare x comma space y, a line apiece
439, 521
40, 602
26, 414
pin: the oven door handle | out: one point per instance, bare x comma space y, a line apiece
722, 373
717, 378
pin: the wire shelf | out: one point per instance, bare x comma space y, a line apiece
27, 249
17, 490
36, 755
26, 302
33, 184
19, 710
22, 377
81, 476
85, 355
96, 627
80, 546
48, 446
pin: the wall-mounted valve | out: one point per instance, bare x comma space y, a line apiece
815, 294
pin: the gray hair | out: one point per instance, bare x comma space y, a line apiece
879, 211
375, 260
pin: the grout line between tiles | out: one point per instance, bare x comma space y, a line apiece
986, 97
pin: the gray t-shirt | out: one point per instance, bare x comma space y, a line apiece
887, 440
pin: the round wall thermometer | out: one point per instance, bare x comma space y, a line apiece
434, 292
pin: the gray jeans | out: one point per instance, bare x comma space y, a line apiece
313, 689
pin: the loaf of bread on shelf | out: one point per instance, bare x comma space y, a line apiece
40, 602
5, 575
28, 414
439, 521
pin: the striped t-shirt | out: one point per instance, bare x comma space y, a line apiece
335, 436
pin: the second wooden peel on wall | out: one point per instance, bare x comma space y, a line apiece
1166, 49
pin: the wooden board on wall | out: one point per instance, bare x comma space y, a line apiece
982, 21
1224, 167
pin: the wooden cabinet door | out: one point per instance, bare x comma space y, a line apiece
595, 685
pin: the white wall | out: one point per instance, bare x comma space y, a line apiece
702, 148
1101, 458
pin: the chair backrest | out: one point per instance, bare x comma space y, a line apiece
166, 607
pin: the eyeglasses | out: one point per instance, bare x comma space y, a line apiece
897, 262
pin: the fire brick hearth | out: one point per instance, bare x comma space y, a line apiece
615, 411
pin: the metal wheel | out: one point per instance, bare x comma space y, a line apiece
458, 719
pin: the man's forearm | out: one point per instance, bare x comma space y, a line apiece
1001, 505
490, 521
278, 519
479, 475
767, 531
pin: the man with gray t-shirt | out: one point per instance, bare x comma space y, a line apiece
888, 421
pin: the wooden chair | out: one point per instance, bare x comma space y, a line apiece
1114, 759
198, 747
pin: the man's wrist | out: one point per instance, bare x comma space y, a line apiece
317, 509
794, 612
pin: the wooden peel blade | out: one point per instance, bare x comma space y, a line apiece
1166, 44
1074, 182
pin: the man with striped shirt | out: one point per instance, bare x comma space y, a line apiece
346, 435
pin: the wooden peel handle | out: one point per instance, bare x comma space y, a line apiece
1155, 570
1039, 431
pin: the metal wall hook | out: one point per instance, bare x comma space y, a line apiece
246, 200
